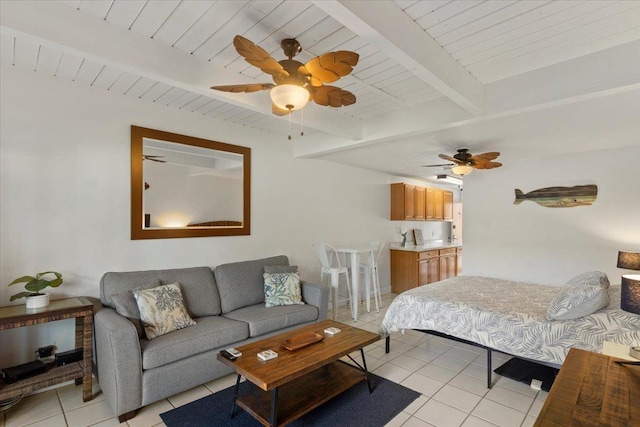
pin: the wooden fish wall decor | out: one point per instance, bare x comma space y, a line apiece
560, 197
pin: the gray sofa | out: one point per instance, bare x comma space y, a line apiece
228, 307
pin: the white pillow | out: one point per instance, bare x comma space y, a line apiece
162, 310
573, 302
282, 289
590, 278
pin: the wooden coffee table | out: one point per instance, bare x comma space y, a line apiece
298, 381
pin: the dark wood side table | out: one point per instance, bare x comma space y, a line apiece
79, 308
593, 390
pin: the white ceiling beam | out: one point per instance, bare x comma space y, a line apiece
614, 69
388, 27
61, 27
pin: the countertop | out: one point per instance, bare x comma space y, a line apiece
429, 246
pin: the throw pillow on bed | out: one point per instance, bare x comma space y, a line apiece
282, 289
590, 278
162, 310
573, 302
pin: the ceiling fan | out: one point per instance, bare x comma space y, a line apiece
154, 158
296, 83
464, 162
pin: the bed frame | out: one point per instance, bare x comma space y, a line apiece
387, 348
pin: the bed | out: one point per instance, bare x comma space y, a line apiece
509, 317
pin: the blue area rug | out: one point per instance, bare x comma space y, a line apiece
355, 407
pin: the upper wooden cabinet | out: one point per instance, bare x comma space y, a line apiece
438, 204
411, 203
419, 199
430, 204
448, 205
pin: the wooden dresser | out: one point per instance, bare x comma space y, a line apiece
592, 390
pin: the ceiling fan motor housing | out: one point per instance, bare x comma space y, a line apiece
291, 47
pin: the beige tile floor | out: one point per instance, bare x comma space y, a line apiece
451, 378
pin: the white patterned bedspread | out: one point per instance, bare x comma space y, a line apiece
508, 316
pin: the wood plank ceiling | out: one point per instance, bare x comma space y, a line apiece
492, 40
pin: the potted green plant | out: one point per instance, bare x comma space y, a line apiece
34, 286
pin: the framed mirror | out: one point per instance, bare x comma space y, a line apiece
182, 186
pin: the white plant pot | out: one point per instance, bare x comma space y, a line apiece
38, 301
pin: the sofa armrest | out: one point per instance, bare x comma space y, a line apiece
316, 295
119, 360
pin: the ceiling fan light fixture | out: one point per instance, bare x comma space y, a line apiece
462, 170
289, 96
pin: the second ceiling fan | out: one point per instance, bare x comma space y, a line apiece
296, 83
464, 162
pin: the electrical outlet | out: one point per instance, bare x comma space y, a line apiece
433, 233
398, 230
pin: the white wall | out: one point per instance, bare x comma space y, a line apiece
64, 206
550, 245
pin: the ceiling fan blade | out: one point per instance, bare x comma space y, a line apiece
331, 66
258, 57
487, 165
486, 156
332, 96
248, 88
451, 159
436, 166
279, 111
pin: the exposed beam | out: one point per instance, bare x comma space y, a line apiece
68, 30
385, 25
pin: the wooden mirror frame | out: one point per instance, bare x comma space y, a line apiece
138, 231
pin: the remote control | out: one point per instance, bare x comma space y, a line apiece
227, 355
234, 352
332, 331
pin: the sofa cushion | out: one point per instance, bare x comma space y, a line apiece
274, 269
126, 305
241, 283
162, 310
263, 320
209, 333
197, 284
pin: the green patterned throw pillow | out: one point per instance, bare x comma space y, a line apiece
282, 289
162, 310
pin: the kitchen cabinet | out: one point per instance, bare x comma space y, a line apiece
410, 269
429, 268
419, 203
447, 263
429, 205
438, 204
447, 205
458, 261
403, 202
413, 203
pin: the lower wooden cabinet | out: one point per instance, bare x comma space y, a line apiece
412, 269
458, 261
447, 263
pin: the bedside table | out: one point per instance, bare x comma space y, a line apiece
79, 308
592, 390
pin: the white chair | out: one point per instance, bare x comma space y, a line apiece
331, 266
370, 270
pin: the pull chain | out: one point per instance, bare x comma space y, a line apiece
302, 122
289, 116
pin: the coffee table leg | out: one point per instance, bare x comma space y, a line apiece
366, 372
274, 407
235, 395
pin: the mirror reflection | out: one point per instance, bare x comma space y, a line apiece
188, 187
